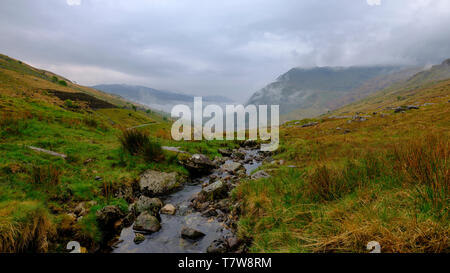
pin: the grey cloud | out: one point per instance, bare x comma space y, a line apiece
218, 47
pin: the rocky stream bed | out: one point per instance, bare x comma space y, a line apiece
195, 214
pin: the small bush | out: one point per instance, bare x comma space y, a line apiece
62, 82
153, 152
137, 142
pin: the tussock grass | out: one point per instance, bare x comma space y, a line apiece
24, 227
138, 142
345, 194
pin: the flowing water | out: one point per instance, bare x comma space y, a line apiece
168, 238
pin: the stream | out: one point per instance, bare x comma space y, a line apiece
168, 239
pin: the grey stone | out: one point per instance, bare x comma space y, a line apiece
147, 223
190, 233
154, 183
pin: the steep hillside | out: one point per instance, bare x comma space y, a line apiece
62, 159
371, 171
305, 93
423, 87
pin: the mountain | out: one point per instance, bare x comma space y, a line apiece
308, 92
157, 99
431, 82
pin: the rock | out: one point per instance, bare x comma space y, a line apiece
249, 143
87, 161
404, 108
215, 191
152, 205
238, 155
138, 238
154, 183
310, 124
231, 167
225, 152
259, 174
108, 216
217, 246
209, 213
147, 223
80, 209
198, 164
168, 209
232, 242
190, 233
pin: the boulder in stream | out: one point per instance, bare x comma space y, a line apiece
147, 223
168, 209
152, 205
231, 167
190, 233
154, 183
215, 191
198, 164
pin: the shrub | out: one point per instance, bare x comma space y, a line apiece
137, 142
133, 140
62, 82
153, 152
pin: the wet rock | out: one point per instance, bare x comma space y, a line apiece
225, 152
125, 192
209, 213
168, 209
404, 108
223, 205
138, 238
238, 155
198, 164
233, 242
231, 167
154, 183
215, 191
217, 246
151, 205
147, 223
260, 174
190, 233
108, 216
250, 143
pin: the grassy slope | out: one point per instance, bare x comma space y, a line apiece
38, 190
386, 180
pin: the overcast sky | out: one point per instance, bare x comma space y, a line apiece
218, 47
